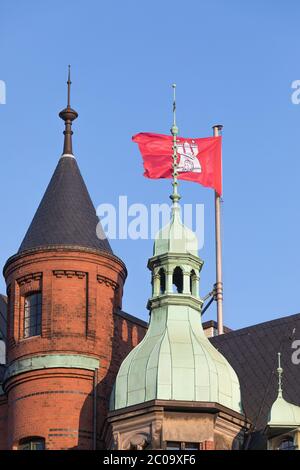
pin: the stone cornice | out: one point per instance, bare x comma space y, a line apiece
175, 299
67, 249
49, 361
179, 406
174, 259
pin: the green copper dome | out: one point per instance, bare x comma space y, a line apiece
283, 414
175, 360
175, 237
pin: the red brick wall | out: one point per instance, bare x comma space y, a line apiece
3, 422
81, 293
55, 404
70, 287
74, 307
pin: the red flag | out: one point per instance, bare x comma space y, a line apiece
199, 160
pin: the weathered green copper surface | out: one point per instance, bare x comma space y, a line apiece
175, 237
175, 360
283, 414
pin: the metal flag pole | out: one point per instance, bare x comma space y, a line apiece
219, 282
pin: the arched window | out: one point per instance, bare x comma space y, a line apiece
162, 281
124, 331
32, 314
178, 280
32, 443
193, 283
134, 336
287, 444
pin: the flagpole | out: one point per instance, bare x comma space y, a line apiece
219, 282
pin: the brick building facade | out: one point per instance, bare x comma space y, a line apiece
68, 341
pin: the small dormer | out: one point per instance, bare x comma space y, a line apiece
283, 428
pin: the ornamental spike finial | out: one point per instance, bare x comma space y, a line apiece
174, 131
69, 86
68, 115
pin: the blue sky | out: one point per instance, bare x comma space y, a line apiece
233, 63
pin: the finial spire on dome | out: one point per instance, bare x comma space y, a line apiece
279, 372
69, 85
174, 131
68, 115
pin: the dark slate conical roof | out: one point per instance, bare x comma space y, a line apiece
66, 215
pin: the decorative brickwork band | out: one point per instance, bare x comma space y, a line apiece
108, 282
28, 278
68, 273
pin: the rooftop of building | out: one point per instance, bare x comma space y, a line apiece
252, 352
66, 215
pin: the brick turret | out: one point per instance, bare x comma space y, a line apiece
65, 323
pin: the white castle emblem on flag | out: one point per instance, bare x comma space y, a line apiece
188, 160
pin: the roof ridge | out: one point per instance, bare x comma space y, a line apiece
244, 330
